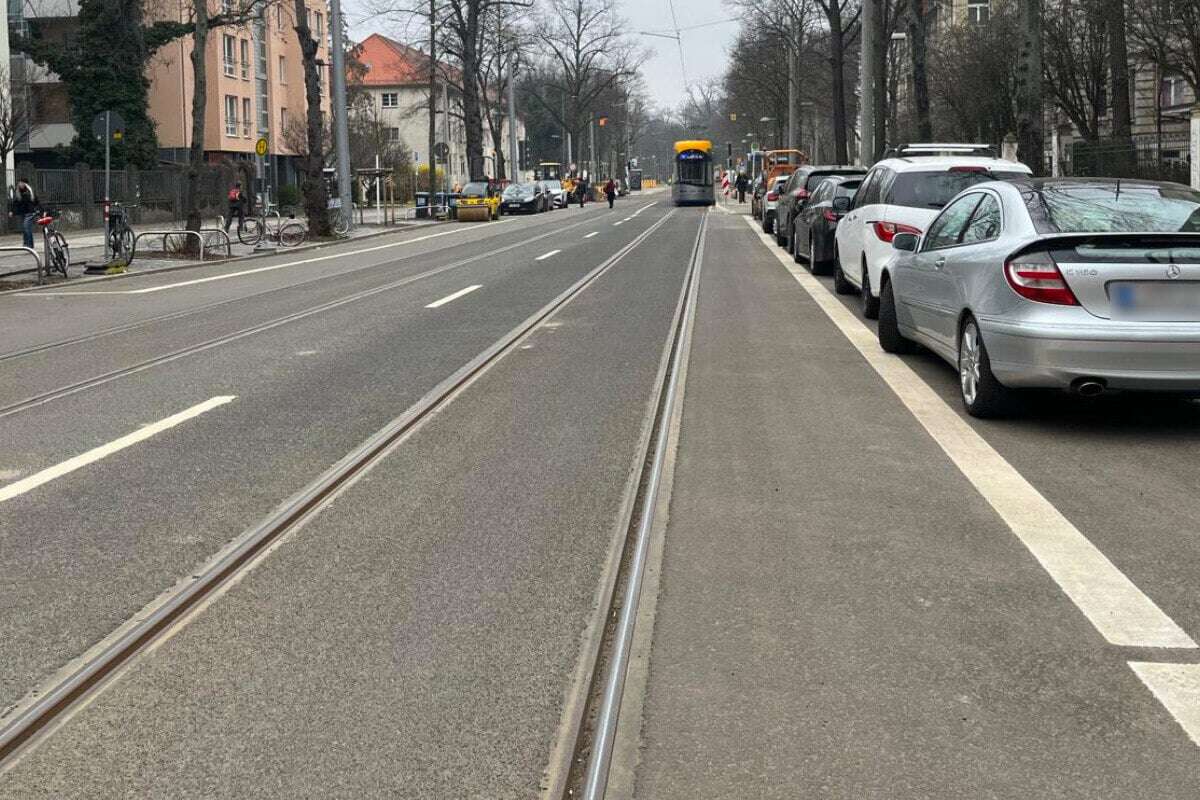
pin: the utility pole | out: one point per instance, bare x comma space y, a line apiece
513, 155
432, 103
793, 78
866, 100
591, 146
446, 138
341, 133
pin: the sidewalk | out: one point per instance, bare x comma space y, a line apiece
87, 246
839, 614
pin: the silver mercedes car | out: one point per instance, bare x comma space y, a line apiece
1090, 285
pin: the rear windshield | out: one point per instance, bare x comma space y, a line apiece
935, 189
814, 180
847, 189
1112, 208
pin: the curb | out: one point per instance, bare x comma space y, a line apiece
90, 279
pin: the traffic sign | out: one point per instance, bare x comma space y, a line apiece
260, 147
114, 125
441, 150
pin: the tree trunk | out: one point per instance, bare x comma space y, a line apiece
837, 61
1029, 87
882, 41
472, 116
1118, 70
917, 22
199, 102
316, 199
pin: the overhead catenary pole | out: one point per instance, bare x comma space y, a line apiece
341, 134
446, 138
793, 78
592, 147
866, 100
432, 103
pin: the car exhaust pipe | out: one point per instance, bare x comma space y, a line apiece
1089, 387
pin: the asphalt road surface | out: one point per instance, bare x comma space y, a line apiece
854, 591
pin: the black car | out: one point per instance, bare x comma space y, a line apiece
794, 196
815, 225
532, 197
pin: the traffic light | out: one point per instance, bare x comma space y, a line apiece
603, 121
733, 116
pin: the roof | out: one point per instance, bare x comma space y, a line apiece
390, 63
693, 144
935, 163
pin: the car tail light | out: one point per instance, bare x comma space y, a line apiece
969, 169
772, 196
1035, 277
886, 231
800, 194
829, 215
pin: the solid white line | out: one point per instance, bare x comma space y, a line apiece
257, 270
617, 223
451, 297
643, 208
1177, 687
590, 235
141, 434
544, 256
1110, 601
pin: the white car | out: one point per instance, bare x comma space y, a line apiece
903, 194
558, 194
771, 201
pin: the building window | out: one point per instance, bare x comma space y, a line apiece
245, 59
279, 17
282, 69
283, 120
230, 55
1172, 91
246, 117
389, 99
231, 120
978, 13
393, 135
320, 27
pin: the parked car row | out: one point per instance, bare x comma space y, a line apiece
1087, 285
534, 197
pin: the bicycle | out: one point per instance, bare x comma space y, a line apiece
339, 222
55, 251
252, 230
121, 238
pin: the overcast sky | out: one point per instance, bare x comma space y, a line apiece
705, 49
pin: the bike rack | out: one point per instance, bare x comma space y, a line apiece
185, 232
36, 258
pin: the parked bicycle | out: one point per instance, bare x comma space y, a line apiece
121, 238
56, 254
253, 230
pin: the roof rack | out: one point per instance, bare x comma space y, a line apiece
940, 149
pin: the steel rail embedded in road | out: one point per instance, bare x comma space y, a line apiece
50, 706
621, 641
64, 391
185, 312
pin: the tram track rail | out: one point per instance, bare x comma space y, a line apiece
38, 717
242, 333
186, 312
591, 757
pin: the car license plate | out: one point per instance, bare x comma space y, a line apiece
514, 205
1155, 301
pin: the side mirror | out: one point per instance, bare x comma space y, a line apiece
906, 242
841, 204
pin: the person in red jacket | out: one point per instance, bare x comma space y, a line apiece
610, 191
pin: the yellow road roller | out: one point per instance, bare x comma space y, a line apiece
480, 202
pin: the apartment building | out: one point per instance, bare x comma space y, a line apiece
394, 89
255, 84
255, 87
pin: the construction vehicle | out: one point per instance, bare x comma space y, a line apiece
480, 202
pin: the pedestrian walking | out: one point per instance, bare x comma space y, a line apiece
610, 192
581, 186
743, 183
24, 206
237, 206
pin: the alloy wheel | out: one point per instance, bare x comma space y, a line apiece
968, 362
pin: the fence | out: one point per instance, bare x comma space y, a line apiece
77, 193
1145, 159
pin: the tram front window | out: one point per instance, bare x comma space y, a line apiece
693, 170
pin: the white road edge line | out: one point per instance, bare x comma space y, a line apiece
95, 454
1117, 608
617, 223
256, 270
452, 297
643, 208
1177, 687
590, 235
544, 256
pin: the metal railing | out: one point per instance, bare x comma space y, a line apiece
185, 232
41, 278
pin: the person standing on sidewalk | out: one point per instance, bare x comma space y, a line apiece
582, 187
24, 207
610, 192
237, 205
742, 183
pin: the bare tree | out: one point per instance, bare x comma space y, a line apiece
1167, 32
312, 185
918, 21
1029, 85
589, 53
842, 18
1076, 63
16, 117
